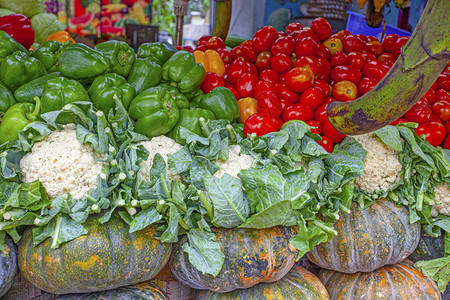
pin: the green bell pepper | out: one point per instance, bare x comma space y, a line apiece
180, 99
195, 98
19, 68
48, 53
182, 70
154, 111
158, 52
8, 45
222, 103
59, 92
78, 61
16, 118
29, 90
6, 99
120, 55
191, 119
103, 89
144, 74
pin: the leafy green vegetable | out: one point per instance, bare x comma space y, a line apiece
44, 24
26, 7
438, 269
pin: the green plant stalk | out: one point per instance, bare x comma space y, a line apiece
222, 18
417, 68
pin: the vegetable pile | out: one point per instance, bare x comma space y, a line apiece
221, 163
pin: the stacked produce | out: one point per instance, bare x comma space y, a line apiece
110, 159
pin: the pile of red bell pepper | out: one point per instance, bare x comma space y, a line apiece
281, 76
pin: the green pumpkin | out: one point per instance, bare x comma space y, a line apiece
368, 239
251, 256
428, 248
109, 256
8, 266
298, 284
399, 281
140, 291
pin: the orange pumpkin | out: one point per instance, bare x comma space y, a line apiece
400, 281
368, 239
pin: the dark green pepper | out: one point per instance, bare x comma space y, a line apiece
103, 89
8, 45
144, 74
16, 118
59, 92
6, 99
182, 70
222, 103
195, 98
78, 61
29, 90
158, 52
180, 99
154, 111
48, 53
191, 119
120, 55
19, 68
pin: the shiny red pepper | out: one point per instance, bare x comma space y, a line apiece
19, 28
261, 124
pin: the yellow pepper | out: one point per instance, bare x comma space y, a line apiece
211, 61
60, 36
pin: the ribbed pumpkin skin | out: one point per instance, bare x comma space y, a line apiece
368, 239
298, 284
140, 291
428, 248
106, 258
251, 256
8, 266
400, 281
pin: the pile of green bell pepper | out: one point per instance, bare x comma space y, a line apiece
103, 89
154, 111
19, 68
120, 55
182, 71
158, 52
48, 53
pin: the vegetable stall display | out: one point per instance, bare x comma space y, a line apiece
117, 159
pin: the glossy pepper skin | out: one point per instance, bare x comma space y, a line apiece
222, 103
154, 111
19, 28
48, 53
59, 92
158, 52
103, 89
19, 68
182, 70
120, 55
16, 118
144, 74
29, 90
78, 61
6, 99
180, 99
8, 45
191, 120
195, 98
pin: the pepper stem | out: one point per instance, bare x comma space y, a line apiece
37, 108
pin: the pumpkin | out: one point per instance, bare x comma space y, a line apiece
109, 256
142, 291
368, 239
399, 281
297, 284
251, 256
428, 248
8, 266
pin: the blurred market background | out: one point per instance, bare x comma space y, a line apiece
139, 21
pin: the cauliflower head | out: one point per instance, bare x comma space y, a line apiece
442, 200
162, 145
236, 161
382, 166
62, 164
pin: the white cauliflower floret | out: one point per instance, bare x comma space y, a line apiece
382, 166
162, 145
62, 164
442, 200
235, 162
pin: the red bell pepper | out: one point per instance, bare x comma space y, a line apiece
261, 124
19, 28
